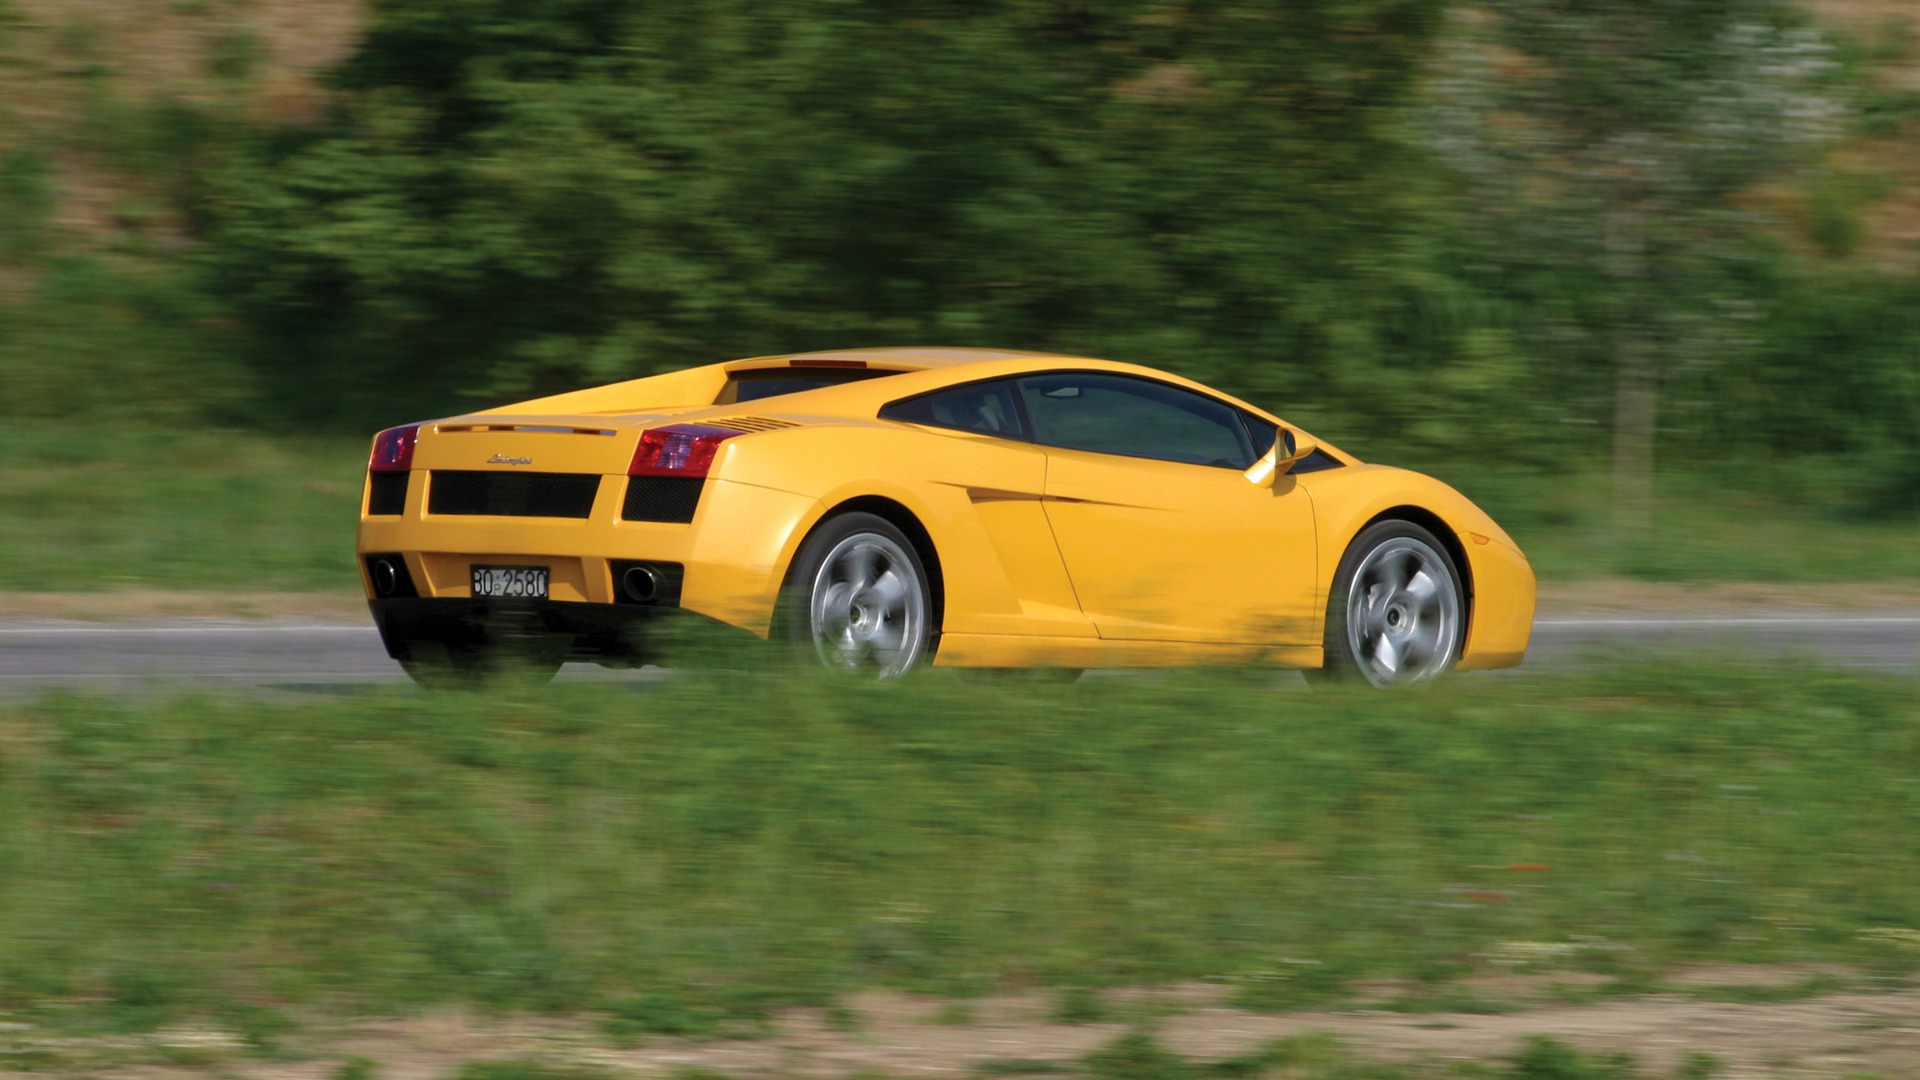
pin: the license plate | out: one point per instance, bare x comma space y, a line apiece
518, 582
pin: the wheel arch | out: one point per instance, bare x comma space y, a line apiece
1443, 532
897, 515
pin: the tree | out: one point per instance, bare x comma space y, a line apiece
1604, 146
517, 195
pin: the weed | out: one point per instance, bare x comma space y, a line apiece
657, 1013
1079, 1005
1698, 1066
1811, 986
1550, 1059
955, 1014
1137, 1056
1294, 983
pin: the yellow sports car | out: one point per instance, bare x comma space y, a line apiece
885, 509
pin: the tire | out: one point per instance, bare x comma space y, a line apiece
857, 600
1396, 613
462, 666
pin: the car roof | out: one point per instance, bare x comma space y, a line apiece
898, 358
687, 394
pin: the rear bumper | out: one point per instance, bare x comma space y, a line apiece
614, 634
733, 552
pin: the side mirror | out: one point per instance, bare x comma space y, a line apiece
1284, 454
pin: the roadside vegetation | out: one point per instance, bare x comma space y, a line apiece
86, 507
1412, 228
684, 860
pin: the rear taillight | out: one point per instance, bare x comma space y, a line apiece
393, 449
678, 450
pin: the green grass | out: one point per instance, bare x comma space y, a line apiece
1824, 524
1727, 541
686, 859
87, 506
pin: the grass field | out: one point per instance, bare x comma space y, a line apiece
86, 507
1825, 523
102, 508
683, 860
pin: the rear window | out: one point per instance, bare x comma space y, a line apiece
986, 407
772, 382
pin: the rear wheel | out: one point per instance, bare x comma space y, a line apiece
857, 599
1395, 614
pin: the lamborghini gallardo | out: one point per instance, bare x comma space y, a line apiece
876, 511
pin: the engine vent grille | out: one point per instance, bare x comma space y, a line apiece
387, 492
549, 495
662, 498
546, 429
750, 423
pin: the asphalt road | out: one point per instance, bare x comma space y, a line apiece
320, 657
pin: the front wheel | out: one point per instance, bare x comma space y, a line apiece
858, 600
1395, 614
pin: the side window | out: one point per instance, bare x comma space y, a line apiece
986, 407
1262, 432
1115, 414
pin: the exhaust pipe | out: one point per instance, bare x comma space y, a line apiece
640, 584
386, 577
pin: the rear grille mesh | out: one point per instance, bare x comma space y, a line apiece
387, 492
750, 423
549, 495
662, 498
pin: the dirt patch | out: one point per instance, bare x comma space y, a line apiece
1834, 1035
69, 69
1884, 22
155, 50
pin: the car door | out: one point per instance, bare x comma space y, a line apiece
1017, 583
1163, 536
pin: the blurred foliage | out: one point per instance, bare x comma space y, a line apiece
517, 198
1600, 144
1518, 233
104, 342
